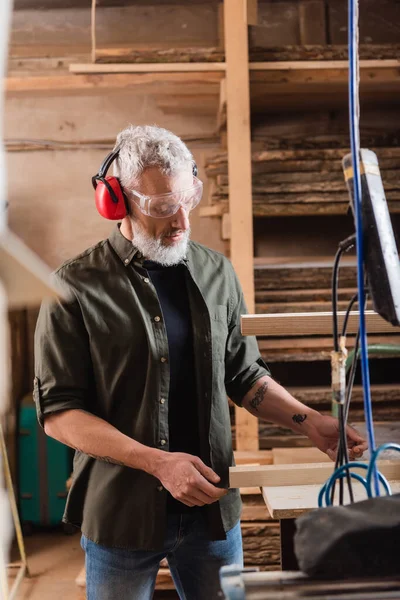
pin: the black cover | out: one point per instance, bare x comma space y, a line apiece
361, 539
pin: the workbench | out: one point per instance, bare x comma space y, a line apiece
292, 490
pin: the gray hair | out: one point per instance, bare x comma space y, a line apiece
149, 146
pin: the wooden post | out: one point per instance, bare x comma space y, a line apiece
239, 169
252, 12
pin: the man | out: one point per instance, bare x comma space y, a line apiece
133, 372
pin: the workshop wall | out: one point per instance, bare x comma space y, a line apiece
51, 203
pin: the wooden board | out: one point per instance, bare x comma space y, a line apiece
318, 323
239, 165
289, 502
287, 456
260, 457
305, 474
141, 83
145, 67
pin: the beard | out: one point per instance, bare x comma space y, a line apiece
156, 250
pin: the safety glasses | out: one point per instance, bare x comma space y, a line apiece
161, 206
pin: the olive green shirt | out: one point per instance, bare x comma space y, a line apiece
105, 351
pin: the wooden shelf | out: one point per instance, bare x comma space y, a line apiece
270, 82
297, 71
300, 182
306, 324
314, 349
195, 83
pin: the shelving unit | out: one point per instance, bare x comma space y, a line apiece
271, 104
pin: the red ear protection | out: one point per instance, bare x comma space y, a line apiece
109, 197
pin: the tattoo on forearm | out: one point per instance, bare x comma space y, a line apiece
259, 396
299, 419
106, 459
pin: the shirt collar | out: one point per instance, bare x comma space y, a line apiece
124, 248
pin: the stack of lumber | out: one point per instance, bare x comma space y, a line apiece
256, 54
300, 181
301, 284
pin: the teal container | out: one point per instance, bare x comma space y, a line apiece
44, 465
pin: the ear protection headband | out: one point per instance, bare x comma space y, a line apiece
109, 197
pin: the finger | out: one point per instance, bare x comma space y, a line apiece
331, 454
190, 500
356, 451
210, 490
208, 473
353, 435
359, 447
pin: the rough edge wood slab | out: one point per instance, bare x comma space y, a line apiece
317, 323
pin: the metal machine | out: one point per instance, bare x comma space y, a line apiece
249, 584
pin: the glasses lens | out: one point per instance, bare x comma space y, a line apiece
168, 205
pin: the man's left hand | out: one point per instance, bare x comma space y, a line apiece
324, 433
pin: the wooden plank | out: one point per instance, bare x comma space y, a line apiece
254, 513
141, 83
260, 457
328, 68
239, 166
289, 502
325, 71
221, 116
304, 474
287, 456
101, 68
226, 226
211, 211
252, 12
295, 324
47, 33
312, 21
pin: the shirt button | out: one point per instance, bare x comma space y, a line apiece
160, 488
163, 442
146, 280
163, 359
126, 261
157, 319
162, 400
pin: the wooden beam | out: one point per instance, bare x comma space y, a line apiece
324, 66
289, 475
226, 227
260, 457
221, 116
313, 323
274, 81
211, 211
146, 67
140, 83
252, 12
239, 168
339, 67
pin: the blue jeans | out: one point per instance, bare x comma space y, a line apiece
194, 562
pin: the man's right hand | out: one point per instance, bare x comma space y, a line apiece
188, 479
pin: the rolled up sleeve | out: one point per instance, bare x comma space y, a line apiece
62, 358
243, 362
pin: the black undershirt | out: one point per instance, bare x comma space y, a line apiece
171, 287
